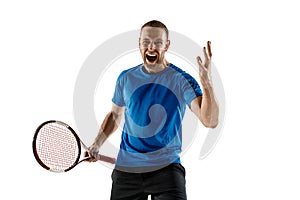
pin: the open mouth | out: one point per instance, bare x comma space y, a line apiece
151, 57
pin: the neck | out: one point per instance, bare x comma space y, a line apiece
156, 68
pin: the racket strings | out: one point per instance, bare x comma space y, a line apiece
57, 147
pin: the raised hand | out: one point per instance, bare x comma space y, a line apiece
205, 67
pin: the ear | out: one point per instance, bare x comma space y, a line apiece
167, 45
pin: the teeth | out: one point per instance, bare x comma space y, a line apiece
151, 54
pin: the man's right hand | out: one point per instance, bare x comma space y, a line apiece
92, 153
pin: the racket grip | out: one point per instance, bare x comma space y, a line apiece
106, 159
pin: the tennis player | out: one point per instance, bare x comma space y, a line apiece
152, 97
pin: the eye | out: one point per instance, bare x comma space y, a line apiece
158, 43
145, 42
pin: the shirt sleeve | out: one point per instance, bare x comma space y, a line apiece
118, 97
190, 88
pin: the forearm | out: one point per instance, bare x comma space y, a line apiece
209, 111
108, 126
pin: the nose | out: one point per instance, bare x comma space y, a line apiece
151, 46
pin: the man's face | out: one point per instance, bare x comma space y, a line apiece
153, 44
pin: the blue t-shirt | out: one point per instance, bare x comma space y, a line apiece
155, 106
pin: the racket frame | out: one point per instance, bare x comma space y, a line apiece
78, 141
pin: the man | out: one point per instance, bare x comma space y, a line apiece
153, 97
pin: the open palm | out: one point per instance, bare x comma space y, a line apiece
205, 66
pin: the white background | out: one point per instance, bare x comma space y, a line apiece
255, 48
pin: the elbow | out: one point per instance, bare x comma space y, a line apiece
213, 124
210, 123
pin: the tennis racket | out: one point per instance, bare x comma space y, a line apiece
57, 147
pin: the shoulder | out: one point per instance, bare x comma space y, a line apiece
129, 71
187, 81
181, 73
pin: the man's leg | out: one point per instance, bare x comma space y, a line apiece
127, 186
167, 183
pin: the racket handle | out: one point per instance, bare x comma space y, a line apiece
106, 159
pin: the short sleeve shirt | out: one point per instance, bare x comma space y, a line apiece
155, 106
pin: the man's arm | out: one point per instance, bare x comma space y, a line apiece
206, 107
108, 126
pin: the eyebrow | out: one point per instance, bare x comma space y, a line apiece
145, 36
157, 40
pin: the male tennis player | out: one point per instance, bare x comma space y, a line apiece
153, 97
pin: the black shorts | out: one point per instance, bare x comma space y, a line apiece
167, 183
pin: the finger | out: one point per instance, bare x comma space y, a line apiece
200, 63
86, 154
89, 156
90, 159
199, 60
205, 54
202, 68
209, 48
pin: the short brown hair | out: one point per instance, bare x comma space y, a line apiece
158, 24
